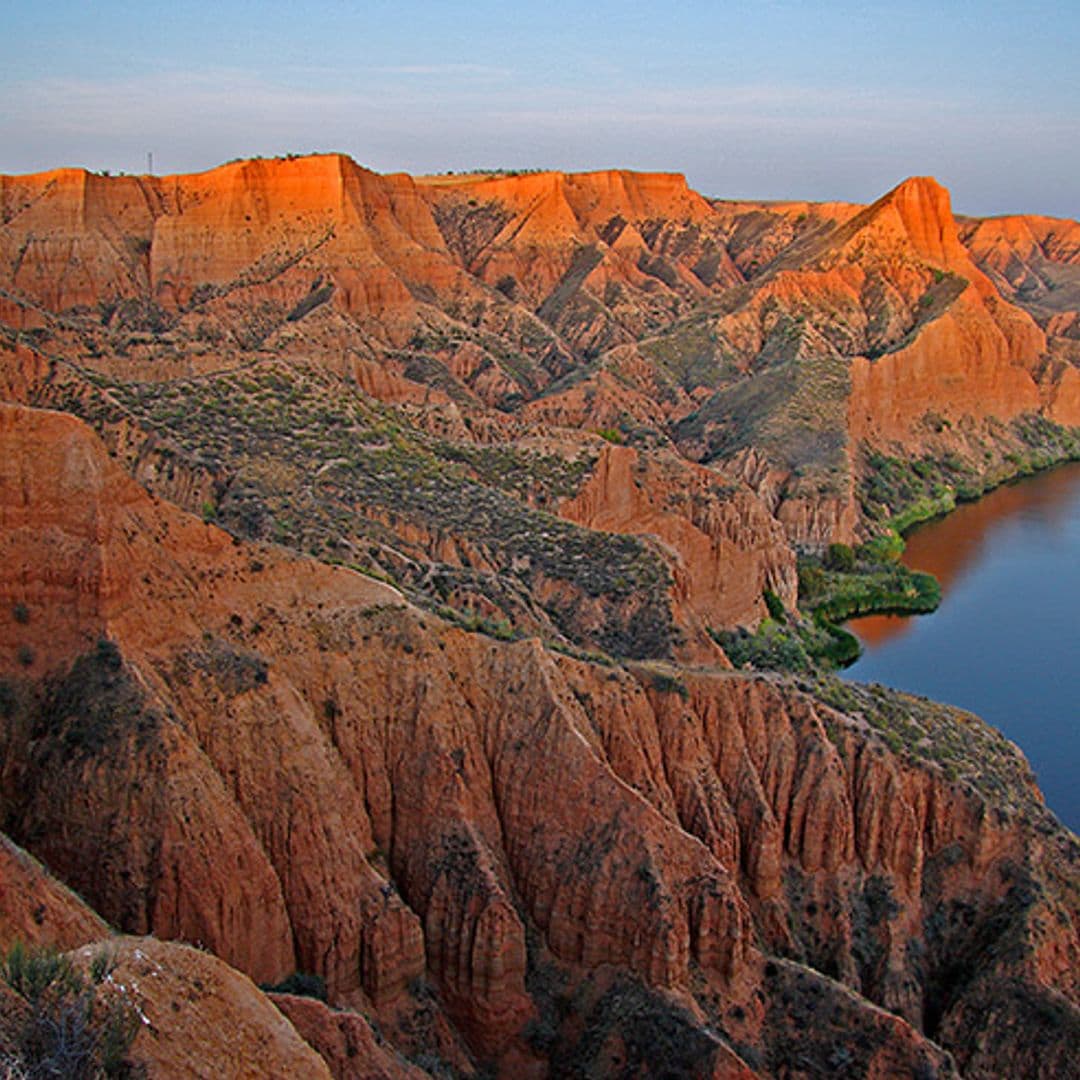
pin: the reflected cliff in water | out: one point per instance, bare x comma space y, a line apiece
1005, 642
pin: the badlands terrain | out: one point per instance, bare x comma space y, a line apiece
417, 613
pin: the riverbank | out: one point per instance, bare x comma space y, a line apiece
849, 583
898, 494
1004, 640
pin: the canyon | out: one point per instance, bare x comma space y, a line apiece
368, 547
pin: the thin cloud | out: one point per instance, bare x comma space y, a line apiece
468, 71
732, 137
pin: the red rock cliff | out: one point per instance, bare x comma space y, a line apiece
393, 796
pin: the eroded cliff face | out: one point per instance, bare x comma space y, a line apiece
893, 290
601, 257
490, 308
559, 265
973, 358
1035, 263
192, 1014
595, 412
1027, 257
287, 763
729, 548
237, 235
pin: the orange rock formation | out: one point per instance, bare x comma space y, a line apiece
36, 909
199, 1017
371, 795
497, 854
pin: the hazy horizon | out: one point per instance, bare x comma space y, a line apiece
775, 100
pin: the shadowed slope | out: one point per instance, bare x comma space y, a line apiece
399, 799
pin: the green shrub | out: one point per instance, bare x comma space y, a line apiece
774, 604
843, 647
841, 558
611, 435
794, 643
812, 579
886, 547
300, 983
663, 683
875, 582
30, 972
889, 591
102, 964
770, 647
108, 654
71, 1028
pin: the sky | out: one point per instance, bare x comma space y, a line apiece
767, 99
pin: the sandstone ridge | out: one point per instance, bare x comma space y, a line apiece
269, 710
365, 546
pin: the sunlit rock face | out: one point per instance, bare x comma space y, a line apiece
290, 765
279, 439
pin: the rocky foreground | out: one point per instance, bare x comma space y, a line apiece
365, 543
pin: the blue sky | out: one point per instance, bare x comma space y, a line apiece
765, 99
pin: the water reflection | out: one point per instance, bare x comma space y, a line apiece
1006, 639
950, 547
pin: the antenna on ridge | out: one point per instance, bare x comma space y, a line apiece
150, 162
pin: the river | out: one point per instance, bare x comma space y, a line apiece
1005, 642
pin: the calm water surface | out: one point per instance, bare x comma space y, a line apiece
1005, 642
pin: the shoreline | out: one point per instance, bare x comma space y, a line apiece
900, 526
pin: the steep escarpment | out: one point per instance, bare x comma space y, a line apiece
349, 646
1035, 263
237, 235
878, 333
505, 854
495, 308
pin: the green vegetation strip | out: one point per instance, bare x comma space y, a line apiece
841, 584
864, 581
298, 458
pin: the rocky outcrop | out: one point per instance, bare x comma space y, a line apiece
1027, 257
36, 909
247, 231
368, 794
729, 550
197, 1017
345, 1041
538, 224
895, 289
960, 365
